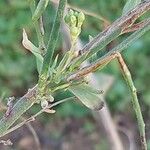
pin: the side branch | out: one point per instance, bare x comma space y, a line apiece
136, 106
101, 61
115, 29
22, 105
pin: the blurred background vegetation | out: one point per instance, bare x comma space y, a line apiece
18, 73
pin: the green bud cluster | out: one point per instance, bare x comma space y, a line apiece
74, 20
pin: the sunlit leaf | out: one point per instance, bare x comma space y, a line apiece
89, 96
130, 4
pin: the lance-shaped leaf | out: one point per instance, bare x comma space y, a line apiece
130, 4
89, 96
35, 51
40, 9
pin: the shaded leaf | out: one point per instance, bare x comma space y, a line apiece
89, 96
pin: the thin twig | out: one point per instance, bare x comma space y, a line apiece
136, 106
22, 105
135, 27
32, 118
128, 41
115, 29
37, 141
25, 102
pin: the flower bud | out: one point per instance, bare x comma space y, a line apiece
76, 14
67, 19
73, 21
81, 18
51, 98
74, 31
71, 12
44, 103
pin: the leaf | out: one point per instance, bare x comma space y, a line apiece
40, 9
89, 96
53, 37
35, 51
53, 67
130, 4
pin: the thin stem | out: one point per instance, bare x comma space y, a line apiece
25, 102
115, 29
135, 103
128, 78
136, 26
123, 45
36, 138
32, 118
22, 105
50, 49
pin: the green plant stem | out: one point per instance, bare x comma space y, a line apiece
50, 50
22, 105
32, 118
30, 98
127, 75
123, 45
114, 30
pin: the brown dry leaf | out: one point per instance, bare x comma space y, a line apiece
50, 111
26, 43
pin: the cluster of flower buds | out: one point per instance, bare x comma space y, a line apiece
74, 20
44, 102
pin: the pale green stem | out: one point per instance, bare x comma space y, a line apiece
22, 105
32, 118
135, 103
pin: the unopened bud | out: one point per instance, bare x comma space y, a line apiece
67, 19
73, 21
81, 18
76, 14
51, 98
71, 12
44, 104
74, 31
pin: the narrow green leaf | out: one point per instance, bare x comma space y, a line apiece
40, 9
52, 69
53, 36
89, 96
130, 4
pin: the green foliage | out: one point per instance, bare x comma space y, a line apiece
89, 96
14, 57
39, 9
